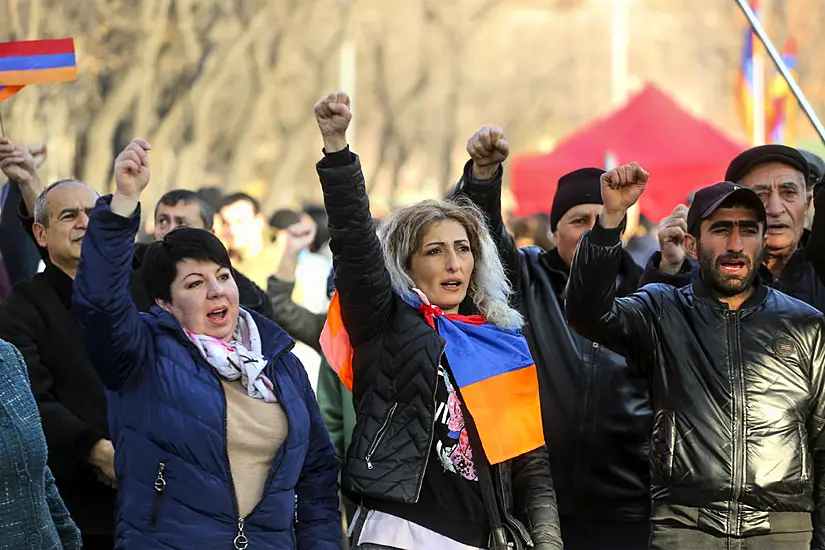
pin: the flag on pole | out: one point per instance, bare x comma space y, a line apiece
35, 62
750, 85
781, 101
8, 91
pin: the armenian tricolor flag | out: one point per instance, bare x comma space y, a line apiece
781, 101
493, 368
35, 62
746, 81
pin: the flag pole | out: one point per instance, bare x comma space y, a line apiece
782, 68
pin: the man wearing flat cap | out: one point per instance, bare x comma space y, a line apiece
783, 178
736, 372
595, 411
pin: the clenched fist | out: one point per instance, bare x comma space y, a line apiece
488, 149
333, 115
18, 163
299, 236
132, 169
672, 232
621, 188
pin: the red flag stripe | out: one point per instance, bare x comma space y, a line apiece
37, 47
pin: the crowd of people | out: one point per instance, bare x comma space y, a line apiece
465, 381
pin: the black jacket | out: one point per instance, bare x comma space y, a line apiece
596, 412
738, 443
37, 318
395, 363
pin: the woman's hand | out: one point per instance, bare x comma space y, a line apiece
333, 116
131, 176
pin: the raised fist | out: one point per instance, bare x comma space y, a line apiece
622, 186
333, 116
300, 236
18, 163
488, 149
132, 168
672, 232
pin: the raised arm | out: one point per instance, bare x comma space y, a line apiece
361, 279
671, 265
301, 323
622, 324
481, 183
117, 338
19, 163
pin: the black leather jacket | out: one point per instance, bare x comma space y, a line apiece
595, 411
395, 367
738, 443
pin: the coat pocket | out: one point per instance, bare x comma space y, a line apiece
160, 489
383, 428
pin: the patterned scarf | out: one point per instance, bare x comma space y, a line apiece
241, 358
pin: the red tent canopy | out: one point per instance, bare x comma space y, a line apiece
682, 154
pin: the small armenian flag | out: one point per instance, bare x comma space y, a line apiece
35, 62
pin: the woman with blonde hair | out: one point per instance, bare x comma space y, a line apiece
447, 451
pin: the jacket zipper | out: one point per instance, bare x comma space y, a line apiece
804, 446
580, 461
738, 394
432, 429
517, 525
160, 486
241, 542
379, 435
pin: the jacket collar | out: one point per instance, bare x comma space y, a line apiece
705, 294
60, 282
274, 339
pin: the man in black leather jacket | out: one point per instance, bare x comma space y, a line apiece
736, 372
595, 411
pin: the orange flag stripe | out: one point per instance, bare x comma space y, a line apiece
507, 403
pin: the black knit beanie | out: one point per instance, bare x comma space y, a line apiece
581, 186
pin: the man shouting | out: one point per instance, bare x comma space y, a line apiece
736, 376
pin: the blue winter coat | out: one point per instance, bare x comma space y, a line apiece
171, 420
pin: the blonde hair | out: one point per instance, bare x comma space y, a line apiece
401, 235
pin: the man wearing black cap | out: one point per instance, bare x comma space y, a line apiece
736, 370
784, 180
596, 412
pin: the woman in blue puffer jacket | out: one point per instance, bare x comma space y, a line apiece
220, 442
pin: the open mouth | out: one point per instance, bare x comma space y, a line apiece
218, 315
733, 267
776, 227
452, 284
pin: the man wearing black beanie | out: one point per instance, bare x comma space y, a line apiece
595, 411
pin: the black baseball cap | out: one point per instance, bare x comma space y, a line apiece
755, 156
708, 199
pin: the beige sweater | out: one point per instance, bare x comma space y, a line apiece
255, 430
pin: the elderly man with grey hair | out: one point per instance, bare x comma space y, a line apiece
37, 318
